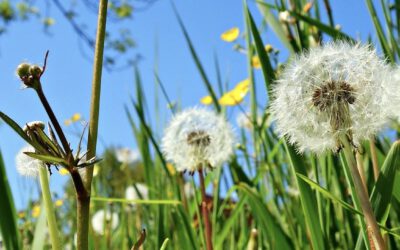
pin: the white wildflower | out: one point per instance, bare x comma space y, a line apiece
197, 138
127, 155
331, 91
27, 165
104, 219
142, 192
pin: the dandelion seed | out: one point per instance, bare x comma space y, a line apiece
26, 165
103, 218
197, 138
331, 91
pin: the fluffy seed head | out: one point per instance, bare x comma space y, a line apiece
103, 220
197, 138
392, 95
26, 165
132, 194
329, 91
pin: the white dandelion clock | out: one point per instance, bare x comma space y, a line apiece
127, 155
329, 92
392, 94
26, 165
141, 192
104, 220
197, 138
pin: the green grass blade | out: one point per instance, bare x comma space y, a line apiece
307, 198
328, 194
8, 223
272, 20
197, 61
379, 31
269, 225
39, 238
268, 71
332, 32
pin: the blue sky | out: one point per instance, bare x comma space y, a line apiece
67, 82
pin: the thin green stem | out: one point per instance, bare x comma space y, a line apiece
362, 195
83, 206
48, 203
204, 211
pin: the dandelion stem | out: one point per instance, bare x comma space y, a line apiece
48, 203
373, 228
360, 167
204, 211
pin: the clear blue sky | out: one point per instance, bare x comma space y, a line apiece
67, 81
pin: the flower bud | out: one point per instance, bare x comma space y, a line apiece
35, 71
23, 70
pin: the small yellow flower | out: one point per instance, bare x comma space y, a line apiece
21, 214
63, 171
230, 35
35, 211
74, 118
236, 95
207, 100
307, 7
255, 62
171, 169
268, 48
59, 203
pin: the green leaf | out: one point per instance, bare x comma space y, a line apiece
269, 225
47, 158
268, 71
328, 194
15, 127
308, 200
8, 223
40, 236
334, 33
197, 61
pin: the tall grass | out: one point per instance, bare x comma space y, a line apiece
267, 196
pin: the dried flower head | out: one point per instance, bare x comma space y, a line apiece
27, 165
104, 220
328, 92
197, 138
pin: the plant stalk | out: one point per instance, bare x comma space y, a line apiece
204, 211
374, 234
48, 204
83, 207
374, 157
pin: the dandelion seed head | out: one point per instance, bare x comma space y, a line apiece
101, 218
197, 138
26, 165
331, 90
132, 194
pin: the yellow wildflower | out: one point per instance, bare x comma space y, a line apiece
171, 169
307, 7
63, 171
21, 214
207, 100
268, 48
59, 203
255, 62
74, 118
35, 211
230, 35
236, 95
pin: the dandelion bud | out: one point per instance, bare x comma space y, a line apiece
331, 91
197, 138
